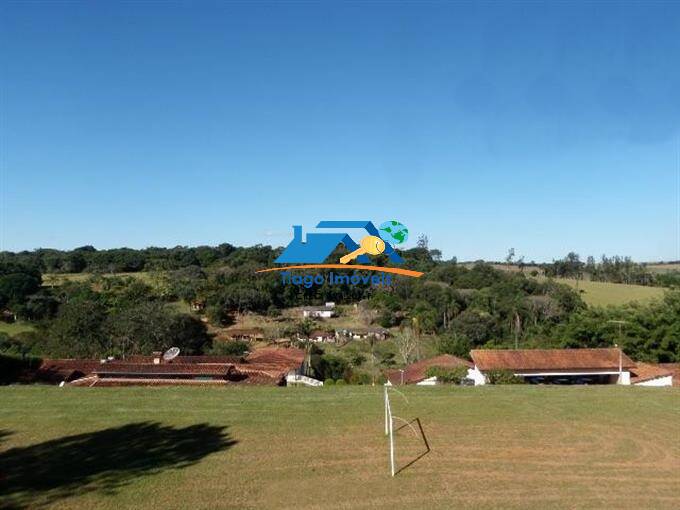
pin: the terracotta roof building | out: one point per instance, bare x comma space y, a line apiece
674, 369
416, 373
648, 374
264, 366
559, 366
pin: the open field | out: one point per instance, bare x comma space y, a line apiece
603, 293
507, 447
56, 279
663, 268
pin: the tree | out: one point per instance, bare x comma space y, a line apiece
154, 327
510, 256
77, 331
16, 286
456, 345
406, 343
422, 242
229, 348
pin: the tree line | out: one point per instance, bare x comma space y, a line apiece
462, 307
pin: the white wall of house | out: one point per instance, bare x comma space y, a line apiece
624, 378
480, 379
659, 381
477, 376
430, 381
325, 314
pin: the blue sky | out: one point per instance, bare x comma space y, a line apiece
540, 126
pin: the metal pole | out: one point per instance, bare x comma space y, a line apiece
387, 430
391, 438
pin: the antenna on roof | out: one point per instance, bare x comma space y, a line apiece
171, 353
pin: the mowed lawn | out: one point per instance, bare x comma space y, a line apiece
512, 447
604, 293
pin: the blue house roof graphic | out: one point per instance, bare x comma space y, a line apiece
318, 246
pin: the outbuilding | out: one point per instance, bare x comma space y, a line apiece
555, 366
416, 373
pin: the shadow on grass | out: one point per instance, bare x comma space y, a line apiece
101, 461
4, 434
420, 432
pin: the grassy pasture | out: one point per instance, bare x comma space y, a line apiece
663, 268
604, 294
519, 447
56, 279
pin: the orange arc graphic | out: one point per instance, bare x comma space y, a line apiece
394, 270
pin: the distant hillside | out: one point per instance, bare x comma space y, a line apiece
604, 294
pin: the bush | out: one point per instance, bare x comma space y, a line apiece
329, 382
456, 345
360, 378
340, 382
229, 348
447, 375
328, 366
218, 314
503, 377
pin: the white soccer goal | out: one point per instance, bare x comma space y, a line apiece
389, 429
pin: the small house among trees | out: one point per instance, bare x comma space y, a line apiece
247, 334
322, 312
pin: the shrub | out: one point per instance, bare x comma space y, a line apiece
328, 366
329, 382
340, 382
503, 377
456, 345
229, 348
360, 378
447, 375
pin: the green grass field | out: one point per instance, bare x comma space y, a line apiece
603, 294
514, 447
663, 268
56, 279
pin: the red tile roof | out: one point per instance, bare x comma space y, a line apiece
417, 371
550, 359
674, 368
167, 369
291, 357
263, 366
647, 371
58, 370
134, 381
321, 333
181, 359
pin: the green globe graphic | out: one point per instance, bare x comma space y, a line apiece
393, 232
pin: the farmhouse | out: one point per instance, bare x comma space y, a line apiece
362, 333
248, 334
320, 335
556, 366
323, 312
416, 373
